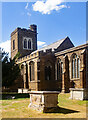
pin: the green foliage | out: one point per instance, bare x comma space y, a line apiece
10, 70
17, 56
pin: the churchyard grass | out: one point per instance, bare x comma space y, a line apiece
18, 108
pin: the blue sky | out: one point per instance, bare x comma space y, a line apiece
54, 21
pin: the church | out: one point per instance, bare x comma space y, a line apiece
59, 66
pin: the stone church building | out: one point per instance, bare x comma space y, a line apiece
59, 66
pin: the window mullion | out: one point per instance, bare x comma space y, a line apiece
77, 67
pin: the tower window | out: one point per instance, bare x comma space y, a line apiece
13, 44
27, 43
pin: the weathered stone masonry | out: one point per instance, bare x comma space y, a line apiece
59, 66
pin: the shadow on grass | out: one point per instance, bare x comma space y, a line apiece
60, 110
14, 96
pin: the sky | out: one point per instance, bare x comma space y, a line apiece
55, 19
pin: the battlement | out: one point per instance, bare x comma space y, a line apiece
33, 29
34, 55
23, 41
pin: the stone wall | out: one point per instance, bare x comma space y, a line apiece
14, 36
26, 33
46, 58
67, 77
18, 35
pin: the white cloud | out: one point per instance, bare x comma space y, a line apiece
26, 7
28, 14
41, 44
48, 6
6, 46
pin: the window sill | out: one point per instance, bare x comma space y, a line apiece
27, 49
34, 81
75, 78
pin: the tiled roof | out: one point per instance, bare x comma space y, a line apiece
52, 46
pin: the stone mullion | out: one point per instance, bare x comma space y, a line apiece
76, 68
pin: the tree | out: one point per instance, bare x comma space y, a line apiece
10, 70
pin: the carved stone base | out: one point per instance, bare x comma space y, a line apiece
43, 101
78, 93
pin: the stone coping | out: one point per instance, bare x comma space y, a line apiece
44, 92
78, 89
72, 49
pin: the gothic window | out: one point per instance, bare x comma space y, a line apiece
59, 70
75, 66
48, 72
13, 44
32, 72
72, 68
29, 44
25, 43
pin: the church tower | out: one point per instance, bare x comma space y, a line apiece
23, 41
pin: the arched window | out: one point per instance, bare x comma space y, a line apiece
25, 43
13, 44
29, 44
32, 72
59, 70
75, 65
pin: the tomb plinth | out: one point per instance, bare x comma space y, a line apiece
78, 93
43, 101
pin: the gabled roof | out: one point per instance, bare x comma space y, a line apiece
54, 45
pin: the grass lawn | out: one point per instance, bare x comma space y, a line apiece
18, 108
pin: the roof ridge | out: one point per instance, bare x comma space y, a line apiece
54, 42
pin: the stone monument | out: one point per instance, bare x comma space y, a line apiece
43, 101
